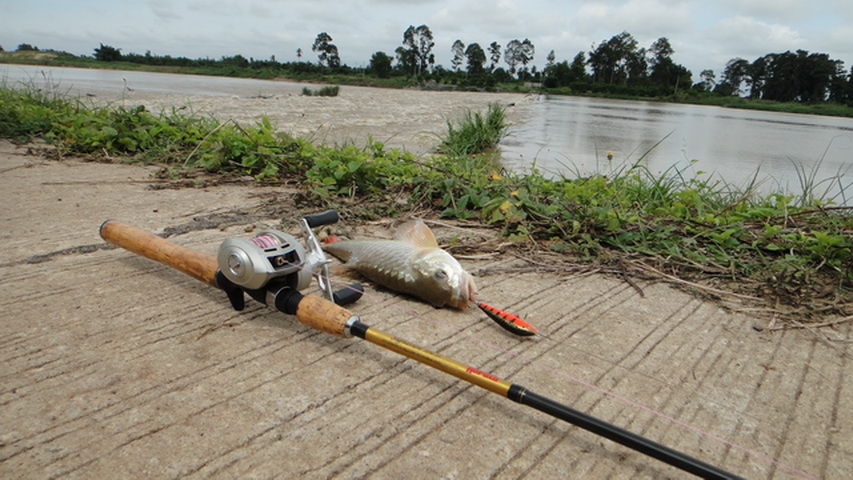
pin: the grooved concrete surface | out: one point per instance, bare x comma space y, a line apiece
114, 366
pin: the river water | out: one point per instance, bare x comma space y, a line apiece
83, 81
573, 135
570, 136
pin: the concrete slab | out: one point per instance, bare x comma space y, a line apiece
114, 366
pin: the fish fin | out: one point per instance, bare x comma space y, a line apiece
417, 233
332, 238
341, 269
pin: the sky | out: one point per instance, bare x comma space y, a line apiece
705, 34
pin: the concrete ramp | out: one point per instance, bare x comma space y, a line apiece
113, 366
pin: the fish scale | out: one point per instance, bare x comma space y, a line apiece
411, 264
384, 261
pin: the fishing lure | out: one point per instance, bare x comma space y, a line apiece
509, 321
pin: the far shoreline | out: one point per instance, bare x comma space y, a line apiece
52, 59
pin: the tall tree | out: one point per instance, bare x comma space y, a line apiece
610, 60
661, 50
476, 58
782, 82
419, 41
664, 71
733, 76
839, 84
510, 55
756, 75
527, 52
637, 67
406, 60
708, 80
550, 59
494, 55
578, 67
458, 50
518, 53
815, 72
326, 50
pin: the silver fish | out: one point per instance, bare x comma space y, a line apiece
412, 264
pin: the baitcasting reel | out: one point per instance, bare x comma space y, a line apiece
274, 259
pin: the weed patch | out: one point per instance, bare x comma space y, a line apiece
475, 133
327, 91
794, 251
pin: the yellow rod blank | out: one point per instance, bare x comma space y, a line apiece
446, 365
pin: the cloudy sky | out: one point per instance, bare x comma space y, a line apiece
704, 33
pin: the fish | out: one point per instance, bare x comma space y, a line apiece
509, 321
412, 263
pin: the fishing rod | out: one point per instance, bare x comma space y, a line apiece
273, 267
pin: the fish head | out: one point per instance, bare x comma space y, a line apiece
442, 280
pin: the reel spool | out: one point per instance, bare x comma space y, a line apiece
252, 262
279, 258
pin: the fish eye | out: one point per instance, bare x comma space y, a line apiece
440, 275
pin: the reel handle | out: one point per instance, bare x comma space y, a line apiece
348, 294
324, 218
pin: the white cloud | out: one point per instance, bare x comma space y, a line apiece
748, 37
641, 18
778, 10
840, 44
465, 20
164, 9
704, 33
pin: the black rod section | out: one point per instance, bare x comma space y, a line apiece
619, 435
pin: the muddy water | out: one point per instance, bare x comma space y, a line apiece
571, 135
90, 81
413, 120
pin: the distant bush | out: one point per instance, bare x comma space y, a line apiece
475, 133
328, 91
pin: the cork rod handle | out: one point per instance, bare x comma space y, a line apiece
197, 265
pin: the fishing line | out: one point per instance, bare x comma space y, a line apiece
265, 240
603, 391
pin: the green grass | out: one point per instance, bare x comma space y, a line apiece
825, 108
475, 132
793, 249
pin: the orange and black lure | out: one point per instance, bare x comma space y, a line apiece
512, 323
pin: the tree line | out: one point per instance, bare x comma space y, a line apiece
788, 77
615, 66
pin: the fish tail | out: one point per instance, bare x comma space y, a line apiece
509, 321
338, 249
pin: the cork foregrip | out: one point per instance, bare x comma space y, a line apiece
321, 314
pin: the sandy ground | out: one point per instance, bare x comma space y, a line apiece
114, 366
